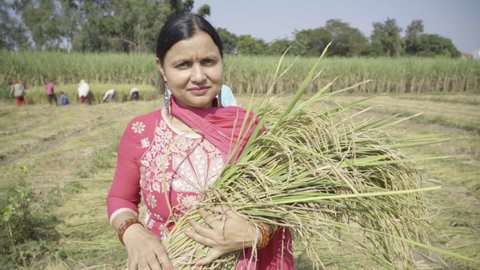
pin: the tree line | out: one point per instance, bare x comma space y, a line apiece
132, 26
386, 40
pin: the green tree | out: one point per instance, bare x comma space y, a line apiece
180, 6
135, 25
92, 37
347, 41
311, 42
49, 22
12, 33
127, 25
412, 37
204, 10
279, 46
249, 45
229, 40
183, 6
100, 25
121, 25
433, 45
386, 39
70, 20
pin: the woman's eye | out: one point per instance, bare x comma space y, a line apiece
183, 65
208, 62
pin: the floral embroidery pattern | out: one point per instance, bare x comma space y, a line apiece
151, 201
189, 201
174, 170
196, 172
145, 142
138, 127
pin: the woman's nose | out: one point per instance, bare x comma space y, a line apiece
198, 74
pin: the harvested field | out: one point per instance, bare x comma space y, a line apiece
66, 156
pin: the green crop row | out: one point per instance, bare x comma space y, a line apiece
250, 73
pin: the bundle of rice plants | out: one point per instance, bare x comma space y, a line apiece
323, 176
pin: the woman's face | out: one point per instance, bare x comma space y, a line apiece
193, 69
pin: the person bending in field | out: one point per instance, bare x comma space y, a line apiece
83, 91
109, 95
63, 99
134, 94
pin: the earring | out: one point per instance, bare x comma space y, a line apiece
166, 97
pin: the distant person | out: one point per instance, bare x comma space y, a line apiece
83, 90
109, 95
226, 97
63, 99
134, 94
50, 91
18, 91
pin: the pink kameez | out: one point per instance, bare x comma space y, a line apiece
168, 169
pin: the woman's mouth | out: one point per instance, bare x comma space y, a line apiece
200, 90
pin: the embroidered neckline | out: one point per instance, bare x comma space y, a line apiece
189, 134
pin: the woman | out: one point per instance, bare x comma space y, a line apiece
83, 91
167, 158
50, 91
18, 91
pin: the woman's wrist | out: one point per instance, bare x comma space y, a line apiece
124, 226
264, 233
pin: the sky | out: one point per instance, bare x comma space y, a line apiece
458, 20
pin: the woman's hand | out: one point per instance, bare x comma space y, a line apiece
145, 250
226, 231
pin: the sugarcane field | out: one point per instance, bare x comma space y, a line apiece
372, 163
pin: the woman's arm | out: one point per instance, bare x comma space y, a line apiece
145, 250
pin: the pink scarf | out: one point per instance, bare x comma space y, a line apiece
228, 128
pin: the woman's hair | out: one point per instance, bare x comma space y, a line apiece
181, 27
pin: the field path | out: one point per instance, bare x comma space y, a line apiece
464, 116
53, 141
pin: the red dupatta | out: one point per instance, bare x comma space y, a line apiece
228, 128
